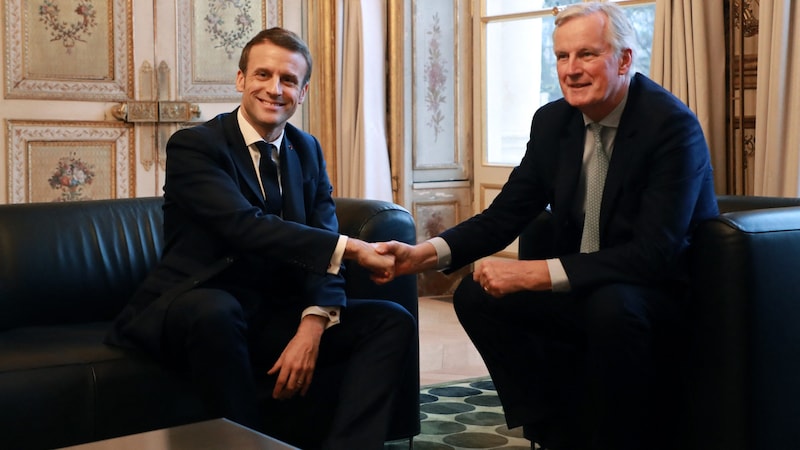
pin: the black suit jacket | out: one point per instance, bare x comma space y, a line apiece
658, 187
218, 235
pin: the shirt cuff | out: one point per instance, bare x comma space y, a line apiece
443, 255
331, 312
558, 276
338, 254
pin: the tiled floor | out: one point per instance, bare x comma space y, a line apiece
446, 353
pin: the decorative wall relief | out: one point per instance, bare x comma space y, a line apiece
217, 30
435, 79
229, 25
62, 30
435, 209
70, 50
434, 59
69, 161
73, 175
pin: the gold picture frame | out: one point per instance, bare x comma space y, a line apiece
218, 30
79, 50
68, 161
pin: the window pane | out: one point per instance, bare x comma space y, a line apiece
521, 74
642, 17
520, 77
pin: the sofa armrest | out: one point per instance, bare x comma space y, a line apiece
745, 354
377, 221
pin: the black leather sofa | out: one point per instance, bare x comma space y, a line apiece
741, 365
66, 270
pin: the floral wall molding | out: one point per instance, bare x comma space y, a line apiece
40, 152
217, 30
65, 31
81, 53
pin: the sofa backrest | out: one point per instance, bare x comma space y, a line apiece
77, 261
732, 203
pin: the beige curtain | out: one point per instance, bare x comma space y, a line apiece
689, 60
363, 155
777, 143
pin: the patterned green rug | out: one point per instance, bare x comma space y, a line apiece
463, 415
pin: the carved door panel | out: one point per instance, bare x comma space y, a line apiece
93, 89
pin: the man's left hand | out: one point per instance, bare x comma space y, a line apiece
500, 277
295, 366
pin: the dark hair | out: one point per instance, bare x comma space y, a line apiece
282, 38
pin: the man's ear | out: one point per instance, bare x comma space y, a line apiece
239, 81
303, 93
625, 61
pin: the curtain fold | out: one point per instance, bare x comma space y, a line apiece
688, 59
777, 141
363, 156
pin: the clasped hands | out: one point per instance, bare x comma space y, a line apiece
387, 260
498, 277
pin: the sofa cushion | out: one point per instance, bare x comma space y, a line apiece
65, 375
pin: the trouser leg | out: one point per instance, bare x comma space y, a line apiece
577, 371
628, 330
205, 330
535, 374
362, 359
377, 338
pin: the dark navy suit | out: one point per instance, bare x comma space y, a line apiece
579, 369
233, 282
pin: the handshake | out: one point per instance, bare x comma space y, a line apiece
497, 276
387, 260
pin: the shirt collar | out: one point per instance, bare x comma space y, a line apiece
613, 118
250, 134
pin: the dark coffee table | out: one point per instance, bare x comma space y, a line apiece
217, 434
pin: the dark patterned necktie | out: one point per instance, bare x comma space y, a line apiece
269, 177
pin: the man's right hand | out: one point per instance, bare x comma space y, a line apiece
381, 266
409, 258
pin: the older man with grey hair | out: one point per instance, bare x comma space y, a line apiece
575, 341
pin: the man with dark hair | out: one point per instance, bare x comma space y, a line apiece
574, 342
250, 290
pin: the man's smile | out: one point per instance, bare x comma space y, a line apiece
270, 103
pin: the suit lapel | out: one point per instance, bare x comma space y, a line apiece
570, 161
618, 166
292, 183
240, 154
623, 155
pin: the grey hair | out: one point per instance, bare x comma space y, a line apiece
619, 32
